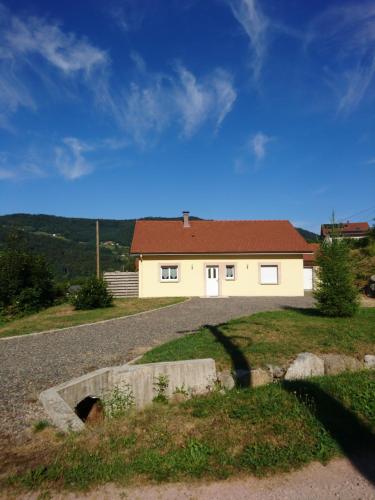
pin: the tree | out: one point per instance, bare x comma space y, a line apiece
335, 292
26, 284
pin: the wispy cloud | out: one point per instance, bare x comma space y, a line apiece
258, 144
346, 33
320, 190
33, 44
253, 153
70, 159
64, 51
255, 24
6, 174
15, 168
127, 15
153, 101
371, 161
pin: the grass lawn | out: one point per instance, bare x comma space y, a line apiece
273, 337
64, 315
260, 431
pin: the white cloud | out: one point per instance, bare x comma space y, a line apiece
6, 174
320, 190
256, 147
34, 45
15, 167
150, 104
255, 24
13, 95
128, 15
346, 34
371, 161
65, 51
258, 144
70, 159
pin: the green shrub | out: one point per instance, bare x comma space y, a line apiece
336, 293
26, 283
93, 294
118, 402
160, 387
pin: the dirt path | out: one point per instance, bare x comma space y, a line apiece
30, 364
337, 480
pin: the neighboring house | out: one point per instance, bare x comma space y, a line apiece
348, 229
309, 267
219, 258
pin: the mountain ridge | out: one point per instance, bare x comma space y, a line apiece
68, 243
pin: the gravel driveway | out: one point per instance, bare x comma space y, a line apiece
30, 364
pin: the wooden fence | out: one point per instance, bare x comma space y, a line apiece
122, 284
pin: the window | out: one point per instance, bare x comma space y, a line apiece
169, 273
269, 275
229, 272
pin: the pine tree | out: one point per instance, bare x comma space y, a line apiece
335, 291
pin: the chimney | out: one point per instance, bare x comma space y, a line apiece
186, 218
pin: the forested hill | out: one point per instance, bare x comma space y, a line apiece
83, 230
308, 235
74, 229
68, 243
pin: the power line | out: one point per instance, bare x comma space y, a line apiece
358, 213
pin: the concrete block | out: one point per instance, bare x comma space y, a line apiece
369, 360
194, 376
305, 365
338, 363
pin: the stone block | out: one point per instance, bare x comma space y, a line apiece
369, 360
260, 377
305, 365
338, 363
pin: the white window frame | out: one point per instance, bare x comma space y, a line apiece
270, 264
230, 278
169, 279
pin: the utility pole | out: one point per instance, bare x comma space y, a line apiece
97, 251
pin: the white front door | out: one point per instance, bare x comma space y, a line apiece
212, 281
308, 278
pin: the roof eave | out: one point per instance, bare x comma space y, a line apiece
259, 252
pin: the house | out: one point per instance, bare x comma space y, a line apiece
309, 267
348, 229
219, 258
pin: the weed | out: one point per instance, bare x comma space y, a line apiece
40, 425
181, 390
118, 402
160, 387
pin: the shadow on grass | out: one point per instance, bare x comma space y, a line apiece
355, 438
312, 312
240, 363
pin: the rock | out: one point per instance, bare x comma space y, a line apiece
259, 377
305, 365
370, 361
337, 363
226, 379
276, 372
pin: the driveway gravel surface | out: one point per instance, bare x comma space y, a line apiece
30, 364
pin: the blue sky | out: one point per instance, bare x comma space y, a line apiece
243, 109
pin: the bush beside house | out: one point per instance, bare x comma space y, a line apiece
92, 295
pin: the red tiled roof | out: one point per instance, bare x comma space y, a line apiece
245, 236
309, 258
347, 227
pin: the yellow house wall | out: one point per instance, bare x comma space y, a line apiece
192, 276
